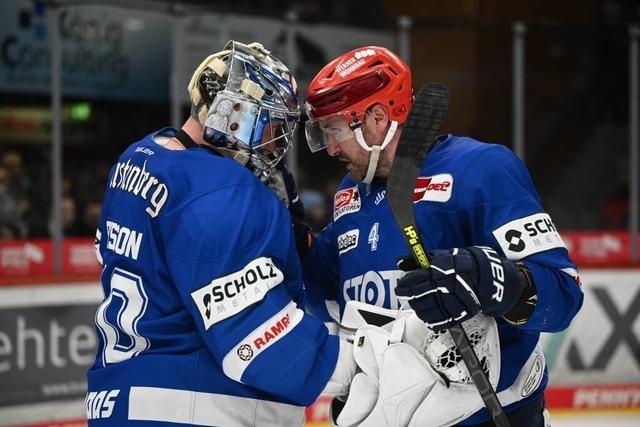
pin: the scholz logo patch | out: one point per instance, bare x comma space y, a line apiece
230, 294
346, 201
528, 235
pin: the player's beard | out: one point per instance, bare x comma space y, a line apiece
356, 168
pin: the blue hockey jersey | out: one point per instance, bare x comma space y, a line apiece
468, 193
200, 323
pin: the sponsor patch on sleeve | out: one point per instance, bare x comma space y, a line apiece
436, 188
229, 295
346, 201
529, 235
348, 241
264, 336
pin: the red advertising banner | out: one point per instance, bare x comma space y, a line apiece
29, 258
599, 248
622, 396
22, 258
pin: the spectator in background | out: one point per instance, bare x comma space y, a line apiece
91, 181
18, 183
317, 206
615, 208
11, 227
69, 217
90, 217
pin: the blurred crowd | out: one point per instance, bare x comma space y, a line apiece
25, 197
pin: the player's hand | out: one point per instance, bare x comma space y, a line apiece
283, 184
460, 283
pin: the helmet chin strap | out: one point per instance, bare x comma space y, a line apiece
375, 150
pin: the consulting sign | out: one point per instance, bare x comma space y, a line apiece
106, 52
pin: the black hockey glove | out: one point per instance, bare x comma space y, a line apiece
282, 182
462, 282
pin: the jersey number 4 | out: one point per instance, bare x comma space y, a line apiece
118, 315
374, 237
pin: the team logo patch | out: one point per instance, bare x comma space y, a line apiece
529, 235
436, 188
245, 352
229, 295
534, 378
348, 241
346, 201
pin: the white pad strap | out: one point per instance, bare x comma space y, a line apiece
252, 89
373, 164
218, 66
374, 150
387, 139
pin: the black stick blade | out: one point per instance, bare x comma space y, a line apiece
429, 110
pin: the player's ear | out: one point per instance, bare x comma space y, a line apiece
379, 117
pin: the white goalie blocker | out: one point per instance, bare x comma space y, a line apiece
410, 375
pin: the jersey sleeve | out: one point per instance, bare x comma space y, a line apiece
321, 273
503, 210
232, 257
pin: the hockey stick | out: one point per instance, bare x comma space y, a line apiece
418, 136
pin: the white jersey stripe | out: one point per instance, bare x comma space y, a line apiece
265, 335
209, 409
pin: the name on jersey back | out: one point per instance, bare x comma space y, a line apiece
137, 181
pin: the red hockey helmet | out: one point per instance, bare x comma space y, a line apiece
354, 82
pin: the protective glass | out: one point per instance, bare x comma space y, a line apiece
320, 132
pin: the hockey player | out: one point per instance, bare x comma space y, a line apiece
200, 323
493, 248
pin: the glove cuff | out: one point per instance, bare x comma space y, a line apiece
522, 311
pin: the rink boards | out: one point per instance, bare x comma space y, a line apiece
47, 342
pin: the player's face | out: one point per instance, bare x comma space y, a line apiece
270, 135
349, 151
341, 143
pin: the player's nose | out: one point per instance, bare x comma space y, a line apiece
333, 147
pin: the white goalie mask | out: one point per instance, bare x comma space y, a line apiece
246, 101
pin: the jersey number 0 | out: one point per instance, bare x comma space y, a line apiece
118, 315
